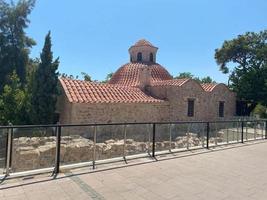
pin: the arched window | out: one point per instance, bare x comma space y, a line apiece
139, 56
221, 109
190, 107
151, 57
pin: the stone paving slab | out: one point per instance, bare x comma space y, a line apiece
235, 172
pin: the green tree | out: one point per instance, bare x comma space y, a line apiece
14, 43
248, 77
45, 86
260, 110
64, 75
108, 77
28, 88
206, 79
86, 77
12, 102
184, 75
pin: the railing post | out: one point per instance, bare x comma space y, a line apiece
124, 143
255, 130
237, 132
216, 134
187, 138
6, 147
58, 142
170, 130
153, 140
266, 130
94, 151
208, 134
9, 150
227, 135
262, 130
149, 138
242, 131
202, 135
246, 131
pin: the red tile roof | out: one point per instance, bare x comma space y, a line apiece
89, 92
128, 74
208, 87
143, 42
174, 82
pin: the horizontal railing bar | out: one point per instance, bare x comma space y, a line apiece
59, 126
125, 123
30, 126
30, 172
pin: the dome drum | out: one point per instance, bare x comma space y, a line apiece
143, 51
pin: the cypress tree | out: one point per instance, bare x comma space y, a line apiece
45, 86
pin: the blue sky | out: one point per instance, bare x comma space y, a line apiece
94, 36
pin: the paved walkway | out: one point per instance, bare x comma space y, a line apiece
234, 173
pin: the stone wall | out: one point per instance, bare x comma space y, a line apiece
115, 112
173, 109
64, 108
178, 97
221, 93
34, 150
206, 107
30, 153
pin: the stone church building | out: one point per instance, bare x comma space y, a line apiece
143, 91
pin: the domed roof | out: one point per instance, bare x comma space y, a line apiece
143, 42
129, 74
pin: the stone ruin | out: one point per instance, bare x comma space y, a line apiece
39, 152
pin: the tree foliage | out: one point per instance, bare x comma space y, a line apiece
14, 43
248, 54
184, 75
28, 87
45, 86
108, 77
206, 79
86, 77
261, 111
12, 102
69, 76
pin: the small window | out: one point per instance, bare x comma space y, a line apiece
190, 106
139, 56
151, 57
221, 109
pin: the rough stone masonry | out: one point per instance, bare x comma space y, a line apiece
39, 152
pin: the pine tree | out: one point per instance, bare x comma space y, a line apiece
244, 58
45, 86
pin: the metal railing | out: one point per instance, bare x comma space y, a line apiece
31, 147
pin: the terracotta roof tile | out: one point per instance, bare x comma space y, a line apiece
88, 92
208, 87
173, 82
143, 42
128, 74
